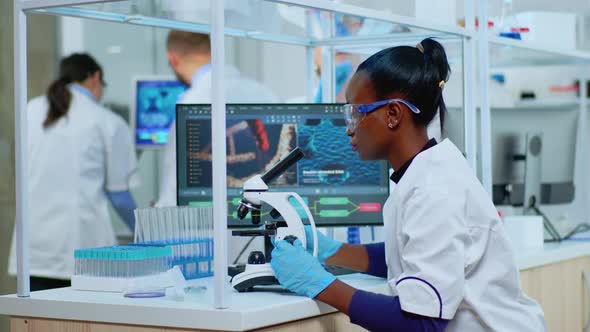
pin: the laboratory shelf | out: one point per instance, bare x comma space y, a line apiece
366, 44
384, 16
504, 52
266, 20
371, 45
139, 19
508, 52
549, 104
534, 104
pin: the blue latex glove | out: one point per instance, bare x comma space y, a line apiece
124, 204
298, 271
327, 247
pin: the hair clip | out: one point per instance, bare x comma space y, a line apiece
420, 48
441, 84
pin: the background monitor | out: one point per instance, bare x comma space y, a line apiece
338, 187
154, 109
555, 130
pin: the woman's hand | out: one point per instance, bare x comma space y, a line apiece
327, 247
337, 253
298, 271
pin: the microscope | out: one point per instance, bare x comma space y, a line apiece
258, 271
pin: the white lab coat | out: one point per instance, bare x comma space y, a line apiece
71, 165
237, 90
446, 250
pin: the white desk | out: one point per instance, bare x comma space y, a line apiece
551, 253
248, 311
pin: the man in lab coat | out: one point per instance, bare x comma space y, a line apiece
189, 56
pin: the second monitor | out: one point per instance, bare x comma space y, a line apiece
338, 187
556, 131
154, 109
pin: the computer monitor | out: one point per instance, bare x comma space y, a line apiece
154, 109
534, 150
338, 187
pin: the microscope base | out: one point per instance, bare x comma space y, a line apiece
254, 275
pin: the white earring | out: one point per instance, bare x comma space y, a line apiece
390, 125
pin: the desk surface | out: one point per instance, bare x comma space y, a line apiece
247, 310
551, 253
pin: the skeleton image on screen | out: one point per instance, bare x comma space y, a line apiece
252, 147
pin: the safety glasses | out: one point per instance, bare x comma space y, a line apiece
355, 113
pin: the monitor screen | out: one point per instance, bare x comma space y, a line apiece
155, 110
337, 186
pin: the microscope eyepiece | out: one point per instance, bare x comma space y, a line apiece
279, 168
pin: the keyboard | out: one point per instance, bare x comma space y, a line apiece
338, 270
333, 269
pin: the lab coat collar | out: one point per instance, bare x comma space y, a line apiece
397, 175
199, 73
83, 91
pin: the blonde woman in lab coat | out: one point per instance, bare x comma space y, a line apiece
81, 156
446, 257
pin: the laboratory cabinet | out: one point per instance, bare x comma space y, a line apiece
330, 322
561, 290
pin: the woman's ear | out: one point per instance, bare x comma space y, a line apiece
172, 59
95, 78
394, 115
